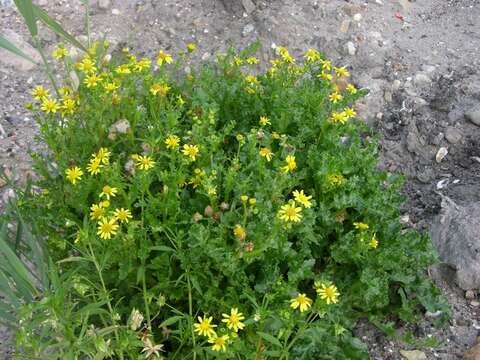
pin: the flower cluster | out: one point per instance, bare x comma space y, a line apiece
233, 322
224, 187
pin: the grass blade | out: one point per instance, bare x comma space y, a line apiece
7, 45
25, 7
56, 27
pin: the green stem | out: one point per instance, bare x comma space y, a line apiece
87, 22
190, 311
144, 282
298, 335
48, 69
145, 298
104, 289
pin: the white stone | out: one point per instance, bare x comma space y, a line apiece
350, 47
357, 17
441, 153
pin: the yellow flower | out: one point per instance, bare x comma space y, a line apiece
60, 52
164, 58
335, 97
252, 201
325, 76
291, 164
145, 162
111, 87
264, 121
251, 79
50, 106
301, 301
244, 198
74, 174
97, 211
336, 180
219, 342
374, 242
237, 61
92, 80
360, 226
283, 52
302, 198
172, 141
290, 212
204, 326
161, 89
191, 47
68, 106
143, 64
180, 101
39, 93
266, 153
349, 112
326, 65
104, 204
252, 60
108, 191
87, 65
351, 89
123, 69
122, 215
234, 320
341, 72
339, 117
328, 293
312, 55
106, 228
275, 135
103, 155
190, 150
94, 166
240, 232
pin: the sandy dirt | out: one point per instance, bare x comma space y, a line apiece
420, 60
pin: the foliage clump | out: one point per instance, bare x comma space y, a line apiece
224, 212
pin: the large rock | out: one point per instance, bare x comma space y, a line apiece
455, 233
15, 61
474, 115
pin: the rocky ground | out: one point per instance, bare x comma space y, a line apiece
418, 58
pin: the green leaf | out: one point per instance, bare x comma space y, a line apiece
162, 248
17, 270
270, 338
25, 7
7, 45
56, 27
72, 259
171, 320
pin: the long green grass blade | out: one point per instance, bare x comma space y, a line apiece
7, 45
14, 268
25, 7
7, 292
56, 27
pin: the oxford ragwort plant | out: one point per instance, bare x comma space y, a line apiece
225, 213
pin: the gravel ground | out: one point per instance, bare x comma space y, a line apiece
419, 59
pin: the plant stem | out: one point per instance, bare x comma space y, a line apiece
48, 70
145, 297
190, 311
104, 289
298, 334
87, 22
